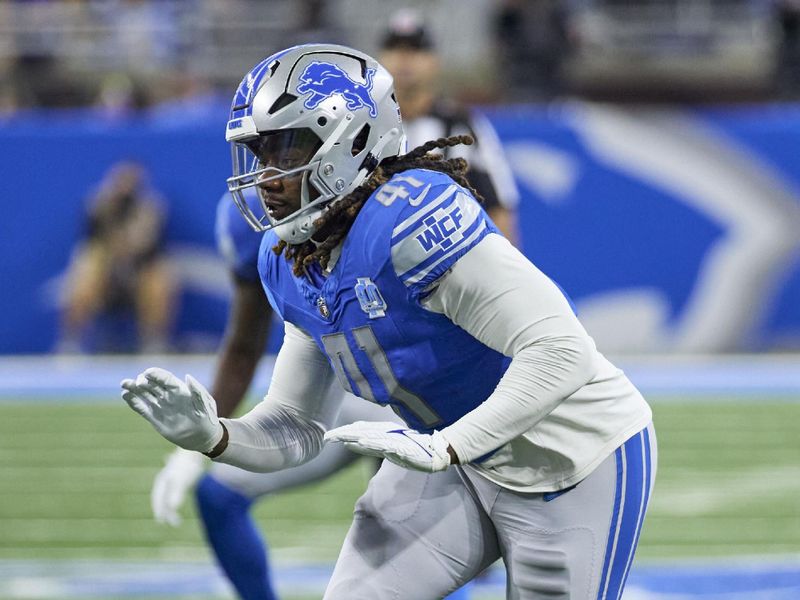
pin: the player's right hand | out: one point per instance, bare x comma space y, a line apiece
183, 412
173, 482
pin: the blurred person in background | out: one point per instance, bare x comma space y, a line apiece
531, 40
119, 270
408, 52
118, 96
788, 71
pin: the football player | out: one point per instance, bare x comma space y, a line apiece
521, 442
226, 495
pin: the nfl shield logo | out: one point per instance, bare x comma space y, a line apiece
370, 298
323, 307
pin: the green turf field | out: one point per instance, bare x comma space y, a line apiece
75, 481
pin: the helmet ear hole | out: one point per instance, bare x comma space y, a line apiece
360, 141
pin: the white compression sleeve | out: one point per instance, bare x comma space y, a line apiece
494, 293
286, 428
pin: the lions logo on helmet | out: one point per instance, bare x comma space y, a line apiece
321, 80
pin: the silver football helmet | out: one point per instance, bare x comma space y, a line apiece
322, 114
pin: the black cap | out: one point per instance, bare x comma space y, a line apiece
406, 30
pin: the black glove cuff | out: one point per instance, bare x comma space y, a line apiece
221, 445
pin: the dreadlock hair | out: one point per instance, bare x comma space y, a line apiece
337, 220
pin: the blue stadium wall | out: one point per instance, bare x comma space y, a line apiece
673, 230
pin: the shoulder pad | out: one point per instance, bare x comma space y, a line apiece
431, 233
413, 188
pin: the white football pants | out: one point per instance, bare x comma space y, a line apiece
418, 536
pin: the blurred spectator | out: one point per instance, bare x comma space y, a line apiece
9, 97
34, 45
531, 43
788, 71
408, 53
118, 96
143, 36
119, 269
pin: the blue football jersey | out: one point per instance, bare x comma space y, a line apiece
367, 316
236, 241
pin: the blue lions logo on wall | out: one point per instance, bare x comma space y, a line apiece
322, 80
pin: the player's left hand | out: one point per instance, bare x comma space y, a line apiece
405, 447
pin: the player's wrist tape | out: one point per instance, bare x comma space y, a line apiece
221, 445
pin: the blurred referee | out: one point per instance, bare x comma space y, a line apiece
408, 52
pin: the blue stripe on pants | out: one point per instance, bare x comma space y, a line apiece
630, 503
614, 520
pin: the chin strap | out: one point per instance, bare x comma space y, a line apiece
298, 230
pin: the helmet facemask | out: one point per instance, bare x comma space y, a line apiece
279, 165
